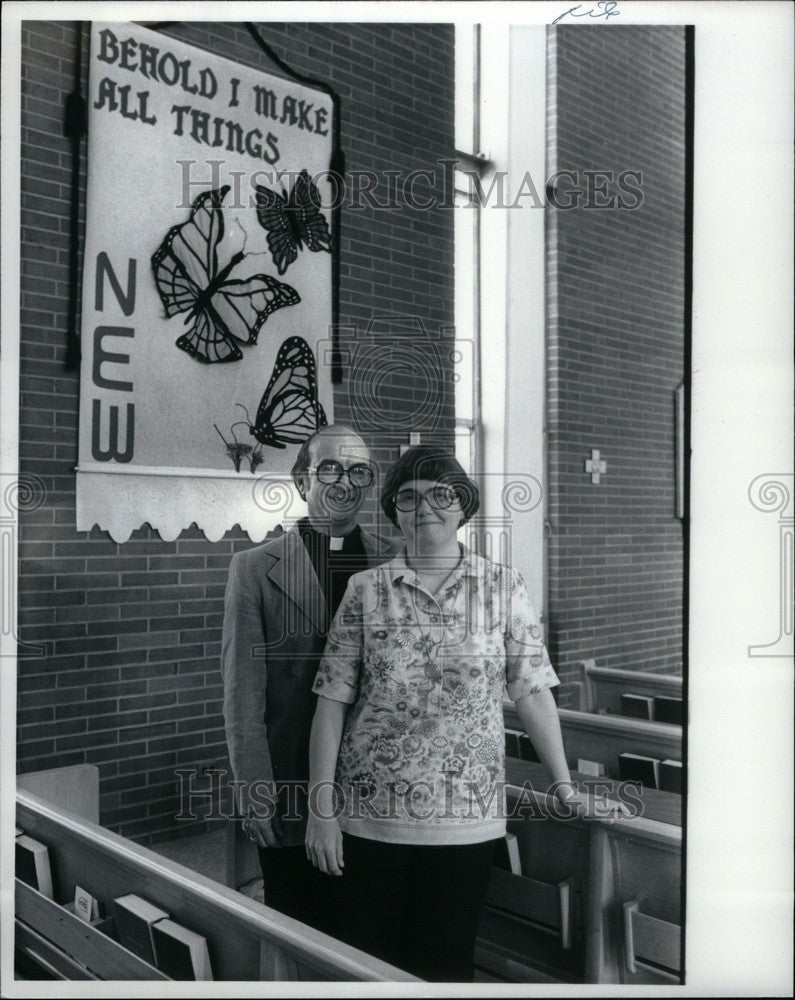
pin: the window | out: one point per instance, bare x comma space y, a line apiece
468, 418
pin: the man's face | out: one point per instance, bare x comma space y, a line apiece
337, 504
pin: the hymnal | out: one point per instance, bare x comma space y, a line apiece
180, 953
33, 864
635, 767
637, 706
671, 776
134, 920
506, 855
668, 710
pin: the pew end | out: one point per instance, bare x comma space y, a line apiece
74, 789
604, 687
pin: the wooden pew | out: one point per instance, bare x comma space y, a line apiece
630, 874
531, 929
562, 920
247, 941
663, 807
595, 903
602, 687
602, 738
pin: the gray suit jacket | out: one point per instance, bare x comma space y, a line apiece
275, 626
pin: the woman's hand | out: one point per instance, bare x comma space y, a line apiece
323, 835
574, 800
324, 845
584, 805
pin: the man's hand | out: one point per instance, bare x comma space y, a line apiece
324, 845
264, 832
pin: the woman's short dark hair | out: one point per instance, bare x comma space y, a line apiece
430, 462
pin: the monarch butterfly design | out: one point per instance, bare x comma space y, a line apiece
289, 411
293, 221
222, 312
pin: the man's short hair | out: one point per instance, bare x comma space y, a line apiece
303, 458
301, 465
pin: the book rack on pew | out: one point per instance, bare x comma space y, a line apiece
246, 940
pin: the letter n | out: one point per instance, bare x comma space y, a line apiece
126, 301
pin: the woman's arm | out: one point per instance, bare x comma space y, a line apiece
323, 835
539, 715
529, 676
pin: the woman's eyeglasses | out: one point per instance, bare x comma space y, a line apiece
440, 497
331, 472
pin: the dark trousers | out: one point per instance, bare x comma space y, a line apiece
416, 907
292, 885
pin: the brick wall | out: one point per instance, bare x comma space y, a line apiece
616, 349
130, 677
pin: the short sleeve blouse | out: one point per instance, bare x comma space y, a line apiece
422, 752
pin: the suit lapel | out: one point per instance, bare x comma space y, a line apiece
375, 549
292, 572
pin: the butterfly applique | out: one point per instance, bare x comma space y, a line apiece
293, 221
222, 312
289, 411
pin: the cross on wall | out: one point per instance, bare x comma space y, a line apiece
595, 465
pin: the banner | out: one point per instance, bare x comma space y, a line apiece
206, 300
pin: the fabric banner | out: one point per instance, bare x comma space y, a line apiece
206, 300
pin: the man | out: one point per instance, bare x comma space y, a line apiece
280, 599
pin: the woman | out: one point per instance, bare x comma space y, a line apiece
409, 721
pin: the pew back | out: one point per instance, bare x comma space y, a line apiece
602, 687
602, 738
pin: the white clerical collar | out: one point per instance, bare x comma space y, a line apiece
335, 542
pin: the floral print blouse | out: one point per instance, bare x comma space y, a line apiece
421, 759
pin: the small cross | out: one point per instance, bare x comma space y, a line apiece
595, 465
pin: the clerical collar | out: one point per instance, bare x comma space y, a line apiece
335, 542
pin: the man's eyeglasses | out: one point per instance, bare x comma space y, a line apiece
331, 472
440, 497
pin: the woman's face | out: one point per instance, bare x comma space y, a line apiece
429, 523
